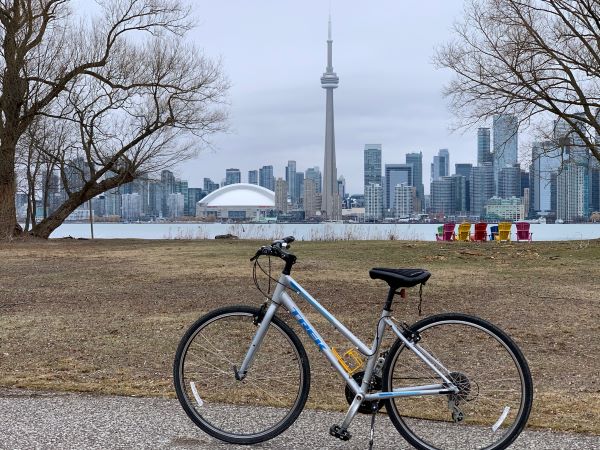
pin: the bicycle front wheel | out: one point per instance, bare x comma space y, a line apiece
270, 397
494, 381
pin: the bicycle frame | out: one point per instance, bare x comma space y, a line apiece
282, 298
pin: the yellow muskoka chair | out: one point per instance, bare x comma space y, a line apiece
464, 232
504, 231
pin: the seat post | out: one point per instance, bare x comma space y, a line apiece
390, 299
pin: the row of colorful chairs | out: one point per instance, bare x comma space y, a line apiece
500, 232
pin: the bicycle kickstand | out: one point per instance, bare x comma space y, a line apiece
372, 435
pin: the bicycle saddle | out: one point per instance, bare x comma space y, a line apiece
399, 278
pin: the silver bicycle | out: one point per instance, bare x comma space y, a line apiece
449, 381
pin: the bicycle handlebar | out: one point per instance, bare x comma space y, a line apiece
276, 249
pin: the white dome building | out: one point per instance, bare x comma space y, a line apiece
237, 201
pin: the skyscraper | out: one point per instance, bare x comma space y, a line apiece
396, 174
253, 177
281, 195
314, 173
509, 182
481, 187
465, 171
330, 202
266, 178
484, 154
209, 186
505, 129
372, 164
290, 178
416, 160
232, 176
373, 202
310, 198
403, 201
440, 167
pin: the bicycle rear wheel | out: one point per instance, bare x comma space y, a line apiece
270, 397
496, 391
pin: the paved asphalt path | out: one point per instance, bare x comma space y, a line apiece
31, 420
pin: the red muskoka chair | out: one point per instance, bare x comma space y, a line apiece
447, 233
480, 234
523, 233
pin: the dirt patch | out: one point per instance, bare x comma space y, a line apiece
106, 316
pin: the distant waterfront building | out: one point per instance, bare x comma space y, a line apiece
441, 196
194, 196
341, 187
396, 174
253, 177
300, 186
449, 195
440, 167
167, 186
266, 178
281, 195
181, 187
210, 185
310, 198
404, 197
131, 207
232, 176
506, 143
372, 164
572, 190
484, 154
176, 205
239, 201
113, 204
373, 202
546, 160
509, 182
526, 202
314, 173
290, 178
524, 182
465, 171
509, 209
481, 187
460, 194
595, 184
416, 160
154, 199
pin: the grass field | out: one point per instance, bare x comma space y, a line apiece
106, 316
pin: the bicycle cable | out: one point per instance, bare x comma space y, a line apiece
267, 295
255, 278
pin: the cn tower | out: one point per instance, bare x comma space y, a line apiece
330, 201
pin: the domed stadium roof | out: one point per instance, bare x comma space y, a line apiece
240, 194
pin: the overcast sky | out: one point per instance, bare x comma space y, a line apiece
274, 53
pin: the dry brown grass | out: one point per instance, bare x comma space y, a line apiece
106, 316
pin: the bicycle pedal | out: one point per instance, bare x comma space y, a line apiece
336, 431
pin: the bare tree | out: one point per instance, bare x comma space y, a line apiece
536, 59
48, 53
151, 109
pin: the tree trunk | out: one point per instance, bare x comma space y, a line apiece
8, 190
45, 227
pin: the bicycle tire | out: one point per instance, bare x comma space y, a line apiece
261, 406
465, 345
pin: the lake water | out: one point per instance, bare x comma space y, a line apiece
307, 232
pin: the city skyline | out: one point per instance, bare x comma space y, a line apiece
277, 111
